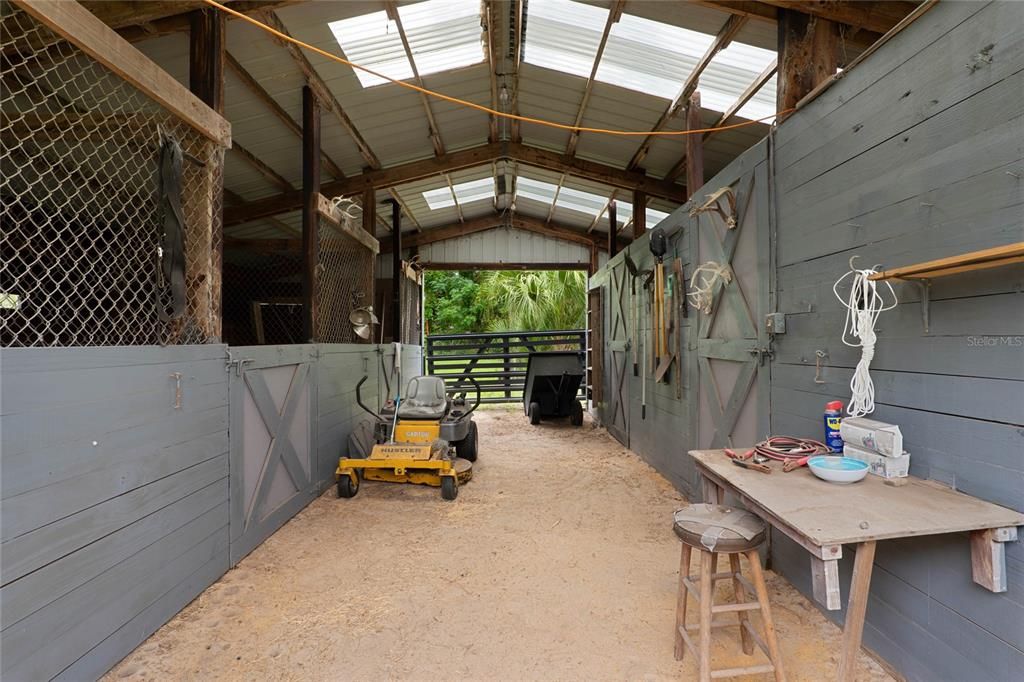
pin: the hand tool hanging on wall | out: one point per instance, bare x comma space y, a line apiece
668, 350
171, 252
659, 245
680, 298
634, 331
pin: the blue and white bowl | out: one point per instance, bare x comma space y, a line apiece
837, 469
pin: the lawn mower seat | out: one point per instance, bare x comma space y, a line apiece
425, 398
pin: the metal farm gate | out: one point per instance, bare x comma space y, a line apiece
733, 348
272, 408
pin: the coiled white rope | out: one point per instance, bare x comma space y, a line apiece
702, 284
863, 306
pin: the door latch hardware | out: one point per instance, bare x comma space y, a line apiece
761, 354
177, 389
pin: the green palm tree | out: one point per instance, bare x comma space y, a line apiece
534, 301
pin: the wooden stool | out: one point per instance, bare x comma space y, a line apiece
712, 530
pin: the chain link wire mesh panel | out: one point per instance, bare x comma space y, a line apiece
345, 283
262, 297
82, 209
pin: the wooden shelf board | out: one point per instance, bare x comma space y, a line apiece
966, 262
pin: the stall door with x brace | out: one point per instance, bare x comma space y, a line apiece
272, 403
732, 345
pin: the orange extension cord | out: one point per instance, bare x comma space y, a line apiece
480, 107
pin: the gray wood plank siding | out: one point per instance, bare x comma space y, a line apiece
916, 154
115, 504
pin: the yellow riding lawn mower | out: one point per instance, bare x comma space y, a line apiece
424, 437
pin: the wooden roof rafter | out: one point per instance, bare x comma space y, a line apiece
320, 89
397, 198
492, 66
604, 209
466, 158
435, 134
680, 166
614, 14
725, 36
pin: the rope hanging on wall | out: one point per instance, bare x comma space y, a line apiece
703, 283
863, 305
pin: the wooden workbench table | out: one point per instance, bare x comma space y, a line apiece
822, 517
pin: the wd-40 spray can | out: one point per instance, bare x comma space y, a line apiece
833, 417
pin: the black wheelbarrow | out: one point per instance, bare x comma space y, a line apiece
552, 386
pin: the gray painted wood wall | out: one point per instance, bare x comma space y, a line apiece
114, 504
916, 154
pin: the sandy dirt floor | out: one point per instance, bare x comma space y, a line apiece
556, 562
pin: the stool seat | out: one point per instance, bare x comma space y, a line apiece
710, 530
717, 528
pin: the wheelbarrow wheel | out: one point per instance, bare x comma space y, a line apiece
577, 414
467, 447
535, 413
346, 488
449, 488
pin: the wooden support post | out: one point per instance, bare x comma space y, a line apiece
205, 231
639, 214
369, 210
694, 147
206, 57
595, 260
397, 273
310, 212
988, 557
613, 231
825, 582
808, 49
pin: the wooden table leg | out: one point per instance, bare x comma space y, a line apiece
856, 609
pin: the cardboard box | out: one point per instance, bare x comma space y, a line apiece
868, 434
880, 465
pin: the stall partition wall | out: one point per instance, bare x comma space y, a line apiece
914, 154
134, 477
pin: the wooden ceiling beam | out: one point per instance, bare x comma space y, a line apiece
517, 59
323, 93
597, 218
137, 21
725, 35
877, 17
614, 14
276, 109
492, 65
499, 220
455, 198
467, 158
764, 11
432, 129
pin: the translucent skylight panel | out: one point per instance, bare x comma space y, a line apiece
624, 211
730, 73
372, 41
538, 190
650, 56
563, 35
466, 192
578, 200
442, 34
763, 103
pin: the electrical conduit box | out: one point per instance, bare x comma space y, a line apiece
875, 436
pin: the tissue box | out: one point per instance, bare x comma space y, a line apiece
868, 434
880, 465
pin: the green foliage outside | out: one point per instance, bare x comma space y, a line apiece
504, 300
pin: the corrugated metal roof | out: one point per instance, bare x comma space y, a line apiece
392, 120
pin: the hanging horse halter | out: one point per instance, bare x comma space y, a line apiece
171, 252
